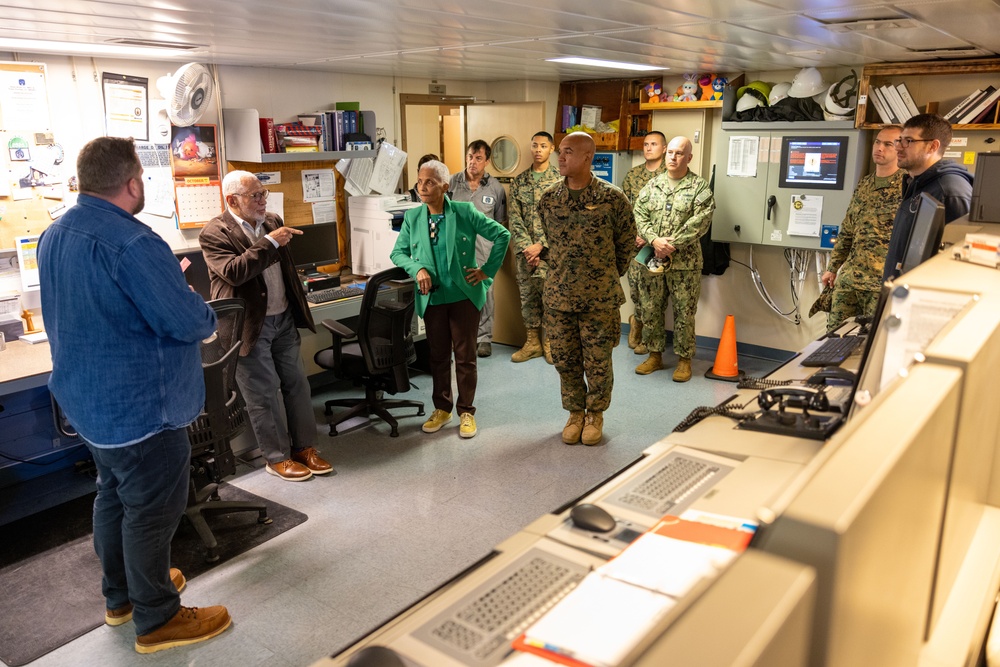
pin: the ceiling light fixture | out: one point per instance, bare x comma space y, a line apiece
91, 49
612, 64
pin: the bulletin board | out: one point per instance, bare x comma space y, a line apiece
32, 186
298, 212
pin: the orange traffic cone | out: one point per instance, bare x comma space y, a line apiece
725, 367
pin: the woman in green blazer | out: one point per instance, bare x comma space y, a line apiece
437, 246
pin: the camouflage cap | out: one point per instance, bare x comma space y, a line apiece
823, 302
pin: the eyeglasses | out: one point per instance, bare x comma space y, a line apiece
906, 141
256, 196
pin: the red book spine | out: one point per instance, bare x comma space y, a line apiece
268, 139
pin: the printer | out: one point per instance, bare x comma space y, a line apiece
375, 223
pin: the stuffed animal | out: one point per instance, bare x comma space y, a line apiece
718, 87
705, 83
689, 90
654, 91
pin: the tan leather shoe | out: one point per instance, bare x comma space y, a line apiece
634, 332
574, 427
547, 349
593, 429
189, 625
122, 615
683, 371
289, 470
653, 363
311, 459
641, 349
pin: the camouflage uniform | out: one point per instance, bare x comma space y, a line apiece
591, 242
635, 180
683, 215
525, 230
859, 254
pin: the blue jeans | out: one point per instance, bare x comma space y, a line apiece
141, 496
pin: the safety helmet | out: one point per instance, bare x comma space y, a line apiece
748, 102
842, 96
807, 82
758, 89
779, 92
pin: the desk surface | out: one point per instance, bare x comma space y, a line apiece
24, 366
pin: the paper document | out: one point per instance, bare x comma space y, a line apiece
324, 211
358, 175
742, 161
318, 185
805, 215
643, 564
275, 203
388, 167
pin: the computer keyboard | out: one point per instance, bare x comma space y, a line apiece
833, 351
334, 294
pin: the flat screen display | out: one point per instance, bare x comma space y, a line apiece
196, 275
926, 233
813, 163
317, 246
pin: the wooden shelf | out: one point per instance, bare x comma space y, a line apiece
678, 106
266, 158
958, 71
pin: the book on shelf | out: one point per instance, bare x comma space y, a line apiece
987, 117
884, 116
908, 102
982, 104
896, 102
569, 116
268, 139
891, 117
957, 109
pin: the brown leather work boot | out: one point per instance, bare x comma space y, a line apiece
531, 350
653, 363
574, 427
634, 332
190, 625
123, 614
593, 429
641, 349
547, 349
683, 371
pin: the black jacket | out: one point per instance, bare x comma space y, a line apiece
946, 181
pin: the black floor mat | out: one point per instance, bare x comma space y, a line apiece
51, 578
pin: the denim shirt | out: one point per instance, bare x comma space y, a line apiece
123, 326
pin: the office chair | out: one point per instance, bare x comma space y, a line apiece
222, 419
376, 355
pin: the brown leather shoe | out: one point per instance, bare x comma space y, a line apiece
310, 458
593, 429
574, 426
652, 364
683, 371
190, 625
123, 614
289, 470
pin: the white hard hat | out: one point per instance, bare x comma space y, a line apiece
807, 82
748, 102
779, 92
842, 96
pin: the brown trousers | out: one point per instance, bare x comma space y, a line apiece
453, 326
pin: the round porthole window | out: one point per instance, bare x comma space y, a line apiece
505, 155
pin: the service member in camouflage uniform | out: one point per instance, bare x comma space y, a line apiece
528, 239
590, 233
672, 213
654, 145
858, 256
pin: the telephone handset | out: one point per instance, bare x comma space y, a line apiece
804, 398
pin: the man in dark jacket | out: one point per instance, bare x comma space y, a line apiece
919, 150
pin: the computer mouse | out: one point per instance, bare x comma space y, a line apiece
376, 656
832, 375
593, 518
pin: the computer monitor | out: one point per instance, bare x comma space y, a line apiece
196, 274
925, 235
813, 163
317, 246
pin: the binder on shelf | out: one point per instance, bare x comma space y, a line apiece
957, 109
908, 102
883, 115
268, 139
982, 103
896, 102
880, 96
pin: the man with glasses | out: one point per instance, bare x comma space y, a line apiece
858, 257
919, 150
487, 194
672, 213
246, 250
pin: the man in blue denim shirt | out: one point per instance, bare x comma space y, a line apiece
125, 331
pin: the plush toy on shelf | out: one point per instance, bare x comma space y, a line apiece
654, 92
718, 87
705, 83
689, 90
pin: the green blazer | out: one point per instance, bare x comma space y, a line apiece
462, 224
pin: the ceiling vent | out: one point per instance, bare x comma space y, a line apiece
154, 44
964, 52
874, 25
